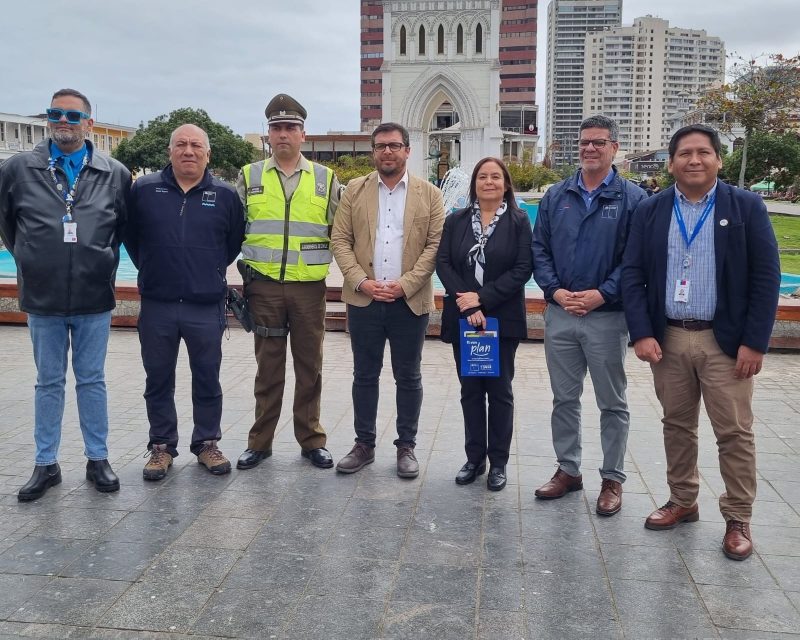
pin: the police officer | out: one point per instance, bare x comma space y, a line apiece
290, 204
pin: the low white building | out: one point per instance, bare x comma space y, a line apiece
20, 133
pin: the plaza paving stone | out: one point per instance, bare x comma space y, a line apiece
287, 550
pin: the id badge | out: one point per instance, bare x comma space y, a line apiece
70, 232
681, 290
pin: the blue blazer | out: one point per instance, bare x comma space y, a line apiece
747, 265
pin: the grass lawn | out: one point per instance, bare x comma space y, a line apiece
787, 231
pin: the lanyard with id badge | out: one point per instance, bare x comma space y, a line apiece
682, 284
70, 226
480, 349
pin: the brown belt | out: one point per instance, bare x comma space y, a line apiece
691, 325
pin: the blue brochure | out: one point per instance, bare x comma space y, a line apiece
480, 349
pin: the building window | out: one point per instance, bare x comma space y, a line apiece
422, 41
460, 39
29, 134
479, 39
440, 40
402, 41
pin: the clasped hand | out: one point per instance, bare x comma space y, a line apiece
383, 291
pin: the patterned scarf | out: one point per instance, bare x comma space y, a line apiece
475, 255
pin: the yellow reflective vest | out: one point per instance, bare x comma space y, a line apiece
287, 241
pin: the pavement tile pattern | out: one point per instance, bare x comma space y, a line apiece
287, 550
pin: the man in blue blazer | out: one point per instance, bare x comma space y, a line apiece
700, 283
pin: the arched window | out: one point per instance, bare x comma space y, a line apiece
440, 40
402, 41
460, 39
422, 41
479, 39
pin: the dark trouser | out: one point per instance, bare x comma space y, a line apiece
301, 307
500, 424
161, 327
369, 327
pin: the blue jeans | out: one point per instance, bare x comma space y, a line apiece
51, 340
370, 327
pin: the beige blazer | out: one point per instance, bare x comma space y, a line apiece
353, 239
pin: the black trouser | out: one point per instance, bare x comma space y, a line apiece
370, 327
499, 427
162, 325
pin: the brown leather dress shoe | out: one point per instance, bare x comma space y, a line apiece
560, 484
610, 499
737, 544
671, 515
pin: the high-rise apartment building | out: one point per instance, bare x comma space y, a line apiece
645, 74
568, 22
516, 55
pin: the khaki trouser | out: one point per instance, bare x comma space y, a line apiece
301, 307
692, 366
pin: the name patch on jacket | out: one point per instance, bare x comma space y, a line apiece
314, 246
209, 199
254, 191
609, 211
162, 190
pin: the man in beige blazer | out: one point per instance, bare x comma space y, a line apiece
385, 236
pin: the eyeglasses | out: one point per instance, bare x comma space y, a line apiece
72, 116
392, 146
597, 144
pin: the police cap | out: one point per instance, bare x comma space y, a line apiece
284, 108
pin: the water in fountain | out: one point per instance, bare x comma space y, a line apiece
455, 189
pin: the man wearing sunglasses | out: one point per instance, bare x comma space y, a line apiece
578, 241
62, 207
385, 237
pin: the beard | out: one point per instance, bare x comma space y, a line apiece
67, 138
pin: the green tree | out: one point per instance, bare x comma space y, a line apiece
147, 150
761, 97
772, 157
348, 167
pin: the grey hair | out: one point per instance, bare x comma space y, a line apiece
87, 106
601, 122
205, 135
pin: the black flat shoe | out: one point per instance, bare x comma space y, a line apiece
251, 458
99, 472
497, 478
319, 457
42, 479
469, 472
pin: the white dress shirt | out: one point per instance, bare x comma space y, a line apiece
388, 261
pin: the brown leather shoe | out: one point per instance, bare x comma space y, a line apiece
610, 499
560, 484
360, 456
671, 515
737, 544
407, 465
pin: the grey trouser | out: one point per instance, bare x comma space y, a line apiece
597, 341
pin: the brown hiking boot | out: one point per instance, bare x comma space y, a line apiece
407, 465
212, 459
159, 463
360, 456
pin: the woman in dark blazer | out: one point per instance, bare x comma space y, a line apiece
484, 261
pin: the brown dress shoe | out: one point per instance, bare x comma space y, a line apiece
671, 515
610, 499
737, 543
560, 484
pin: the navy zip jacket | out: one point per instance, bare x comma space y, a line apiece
182, 243
578, 249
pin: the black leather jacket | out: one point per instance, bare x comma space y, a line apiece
57, 278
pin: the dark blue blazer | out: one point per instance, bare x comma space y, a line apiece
747, 265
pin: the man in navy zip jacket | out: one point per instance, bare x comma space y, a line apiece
578, 242
185, 228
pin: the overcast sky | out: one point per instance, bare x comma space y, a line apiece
138, 60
